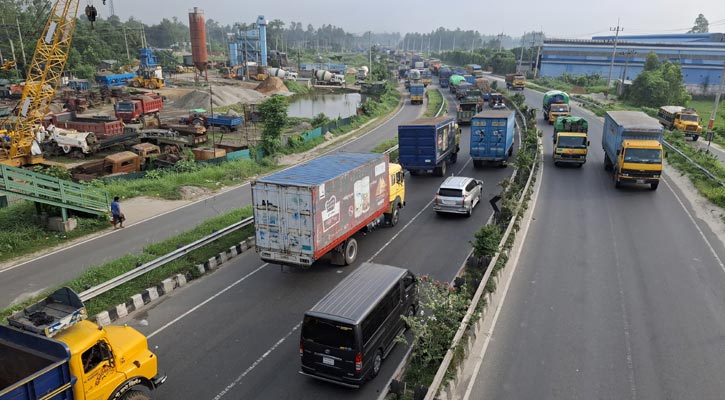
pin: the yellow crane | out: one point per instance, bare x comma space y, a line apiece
19, 146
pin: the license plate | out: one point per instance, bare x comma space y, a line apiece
640, 180
328, 361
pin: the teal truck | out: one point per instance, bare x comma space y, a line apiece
556, 104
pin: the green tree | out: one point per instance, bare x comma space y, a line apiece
274, 116
652, 62
701, 25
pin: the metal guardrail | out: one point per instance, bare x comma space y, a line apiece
164, 259
691, 161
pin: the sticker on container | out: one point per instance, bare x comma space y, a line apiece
331, 214
379, 169
321, 191
362, 196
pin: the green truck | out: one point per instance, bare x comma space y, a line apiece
556, 104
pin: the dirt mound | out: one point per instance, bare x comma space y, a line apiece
483, 85
272, 85
221, 96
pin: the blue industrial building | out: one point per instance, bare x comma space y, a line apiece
701, 57
249, 47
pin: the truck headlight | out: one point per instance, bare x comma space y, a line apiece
625, 174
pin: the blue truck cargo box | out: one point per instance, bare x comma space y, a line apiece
33, 366
628, 125
470, 79
425, 143
492, 136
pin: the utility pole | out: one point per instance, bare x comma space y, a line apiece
500, 41
714, 110
22, 46
521, 56
614, 52
110, 8
628, 53
125, 39
538, 52
370, 52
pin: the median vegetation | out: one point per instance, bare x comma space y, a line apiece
446, 303
435, 100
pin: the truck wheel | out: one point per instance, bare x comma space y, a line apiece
617, 182
350, 251
135, 84
511, 151
653, 186
556, 163
607, 164
442, 169
695, 137
151, 85
454, 158
136, 395
395, 217
377, 362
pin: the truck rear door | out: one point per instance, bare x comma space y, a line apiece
284, 220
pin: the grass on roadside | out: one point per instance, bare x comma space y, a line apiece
184, 265
704, 109
712, 190
385, 145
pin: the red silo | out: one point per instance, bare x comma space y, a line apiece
198, 39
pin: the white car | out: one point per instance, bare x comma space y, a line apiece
458, 195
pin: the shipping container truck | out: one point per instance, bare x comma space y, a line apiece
570, 141
417, 91
685, 120
556, 104
316, 208
51, 351
632, 143
428, 144
492, 137
516, 81
139, 109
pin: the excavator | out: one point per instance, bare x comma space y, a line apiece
19, 145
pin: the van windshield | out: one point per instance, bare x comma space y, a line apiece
328, 333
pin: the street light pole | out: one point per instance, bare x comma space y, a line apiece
714, 110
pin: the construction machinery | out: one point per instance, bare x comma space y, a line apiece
18, 146
7, 65
150, 74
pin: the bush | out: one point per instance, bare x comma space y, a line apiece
319, 120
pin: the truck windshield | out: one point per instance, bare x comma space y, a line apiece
689, 118
643, 156
572, 142
328, 333
560, 108
124, 106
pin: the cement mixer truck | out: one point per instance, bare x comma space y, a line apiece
327, 78
276, 72
362, 73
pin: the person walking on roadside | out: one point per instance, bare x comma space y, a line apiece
118, 216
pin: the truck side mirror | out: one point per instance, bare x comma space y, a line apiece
667, 154
587, 143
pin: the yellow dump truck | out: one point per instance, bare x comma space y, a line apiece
50, 351
570, 141
685, 120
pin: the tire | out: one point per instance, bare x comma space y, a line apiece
151, 85
377, 363
136, 395
477, 163
580, 165
653, 186
617, 184
197, 122
607, 164
556, 163
695, 137
511, 151
135, 84
350, 251
395, 217
454, 158
442, 169
469, 212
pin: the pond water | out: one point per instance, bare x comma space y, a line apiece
334, 105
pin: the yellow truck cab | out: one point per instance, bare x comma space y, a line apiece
397, 193
570, 141
56, 352
632, 143
685, 120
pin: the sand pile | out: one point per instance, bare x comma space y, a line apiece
222, 96
272, 85
483, 85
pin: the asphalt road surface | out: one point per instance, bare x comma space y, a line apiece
235, 333
618, 294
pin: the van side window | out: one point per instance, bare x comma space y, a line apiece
380, 313
408, 281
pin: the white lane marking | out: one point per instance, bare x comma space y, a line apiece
425, 207
623, 309
198, 201
692, 219
254, 365
198, 306
515, 260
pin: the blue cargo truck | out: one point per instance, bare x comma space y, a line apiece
492, 137
428, 144
417, 92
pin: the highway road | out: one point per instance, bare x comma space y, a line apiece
235, 333
48, 271
618, 294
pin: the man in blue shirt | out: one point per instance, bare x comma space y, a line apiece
118, 216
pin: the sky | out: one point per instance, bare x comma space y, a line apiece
565, 19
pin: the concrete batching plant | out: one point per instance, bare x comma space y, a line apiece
249, 48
